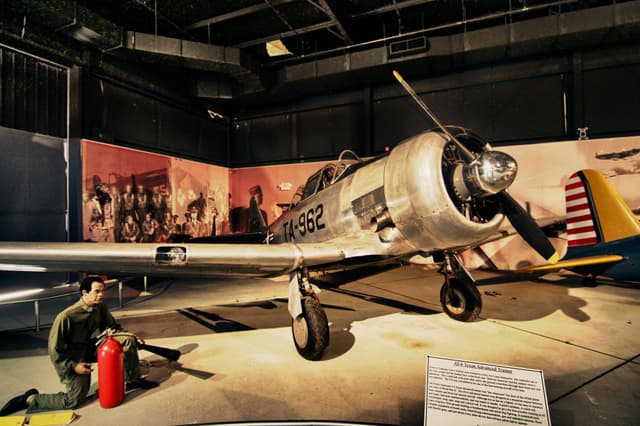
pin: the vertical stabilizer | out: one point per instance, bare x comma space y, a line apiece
595, 211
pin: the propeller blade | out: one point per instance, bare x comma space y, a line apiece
527, 227
466, 154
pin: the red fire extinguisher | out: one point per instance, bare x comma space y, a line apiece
110, 373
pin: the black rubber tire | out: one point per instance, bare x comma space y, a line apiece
466, 304
590, 281
314, 323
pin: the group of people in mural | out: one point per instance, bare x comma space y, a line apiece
142, 216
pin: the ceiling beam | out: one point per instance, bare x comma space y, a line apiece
237, 14
331, 13
293, 32
395, 6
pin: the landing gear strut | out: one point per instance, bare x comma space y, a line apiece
459, 295
309, 326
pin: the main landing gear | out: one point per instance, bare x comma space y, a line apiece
459, 295
309, 326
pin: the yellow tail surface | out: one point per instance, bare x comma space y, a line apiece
595, 210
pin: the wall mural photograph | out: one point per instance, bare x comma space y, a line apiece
133, 196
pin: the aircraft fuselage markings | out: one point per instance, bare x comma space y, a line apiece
308, 222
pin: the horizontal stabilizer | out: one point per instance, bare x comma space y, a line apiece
575, 263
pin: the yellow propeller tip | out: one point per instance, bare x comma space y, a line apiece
397, 75
554, 258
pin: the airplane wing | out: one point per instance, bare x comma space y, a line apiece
216, 260
574, 263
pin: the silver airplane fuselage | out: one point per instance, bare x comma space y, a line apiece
395, 205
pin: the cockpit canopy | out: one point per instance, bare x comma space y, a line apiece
348, 161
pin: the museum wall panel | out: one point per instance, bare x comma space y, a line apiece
33, 194
529, 109
33, 94
34, 187
612, 99
262, 140
312, 128
178, 131
528, 101
119, 115
323, 132
395, 120
524, 108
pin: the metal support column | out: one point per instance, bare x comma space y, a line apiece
36, 311
145, 292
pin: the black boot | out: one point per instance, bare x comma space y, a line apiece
17, 403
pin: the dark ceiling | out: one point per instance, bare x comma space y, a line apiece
332, 43
313, 26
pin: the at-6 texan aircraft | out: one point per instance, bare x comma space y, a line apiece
437, 193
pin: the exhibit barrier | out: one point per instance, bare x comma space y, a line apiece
68, 290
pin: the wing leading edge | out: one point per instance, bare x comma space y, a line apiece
216, 260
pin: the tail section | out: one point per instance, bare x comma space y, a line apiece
595, 211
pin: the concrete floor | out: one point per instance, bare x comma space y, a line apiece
240, 362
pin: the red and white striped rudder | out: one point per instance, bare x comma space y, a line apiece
581, 228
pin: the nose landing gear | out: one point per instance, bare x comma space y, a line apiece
459, 296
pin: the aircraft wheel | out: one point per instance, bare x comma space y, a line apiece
463, 302
311, 330
590, 281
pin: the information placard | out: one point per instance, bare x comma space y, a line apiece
460, 392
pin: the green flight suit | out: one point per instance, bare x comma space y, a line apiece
70, 342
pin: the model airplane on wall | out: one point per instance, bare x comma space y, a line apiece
603, 233
437, 193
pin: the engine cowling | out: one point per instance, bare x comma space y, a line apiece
419, 199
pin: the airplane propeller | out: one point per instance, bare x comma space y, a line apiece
527, 227
484, 180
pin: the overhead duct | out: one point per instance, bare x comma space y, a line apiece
213, 87
617, 22
72, 19
198, 56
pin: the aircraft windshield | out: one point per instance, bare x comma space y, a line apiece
328, 175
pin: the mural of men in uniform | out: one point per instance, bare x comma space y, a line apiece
200, 205
108, 221
142, 204
128, 202
179, 229
150, 227
97, 230
158, 205
130, 231
167, 228
116, 212
192, 227
256, 223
